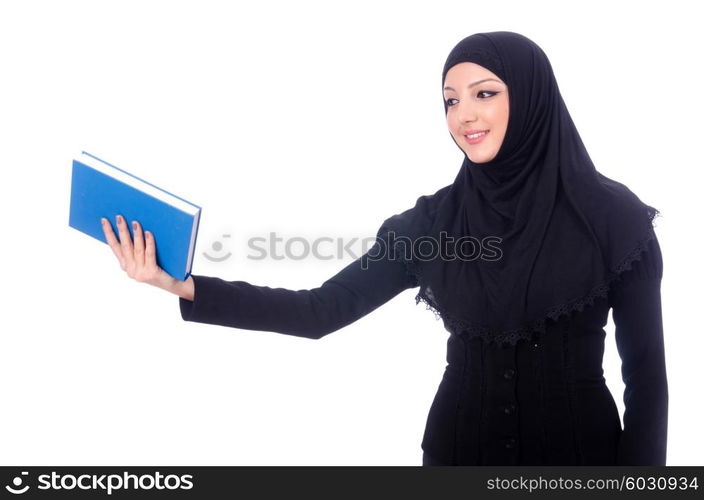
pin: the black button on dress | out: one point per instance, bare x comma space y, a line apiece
542, 401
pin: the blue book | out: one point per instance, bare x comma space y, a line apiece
99, 189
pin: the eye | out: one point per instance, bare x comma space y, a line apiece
482, 94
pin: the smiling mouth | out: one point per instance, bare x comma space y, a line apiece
476, 138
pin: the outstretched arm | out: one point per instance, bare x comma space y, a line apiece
350, 294
637, 315
355, 291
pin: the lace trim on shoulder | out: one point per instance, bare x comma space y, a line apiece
470, 329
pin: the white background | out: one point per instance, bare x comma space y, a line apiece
307, 119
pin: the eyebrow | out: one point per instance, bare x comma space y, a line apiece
475, 83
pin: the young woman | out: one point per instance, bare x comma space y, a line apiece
522, 256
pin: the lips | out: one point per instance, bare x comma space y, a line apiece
468, 134
477, 138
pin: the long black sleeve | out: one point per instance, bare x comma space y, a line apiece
355, 291
637, 315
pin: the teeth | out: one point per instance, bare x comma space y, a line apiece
474, 136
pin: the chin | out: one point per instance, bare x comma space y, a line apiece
481, 158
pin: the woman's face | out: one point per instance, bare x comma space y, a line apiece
477, 101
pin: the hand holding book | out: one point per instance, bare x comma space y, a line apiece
101, 190
138, 258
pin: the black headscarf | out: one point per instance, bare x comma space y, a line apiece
566, 231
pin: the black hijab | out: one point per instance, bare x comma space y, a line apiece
562, 231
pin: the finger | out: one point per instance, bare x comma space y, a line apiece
138, 244
125, 240
150, 251
112, 241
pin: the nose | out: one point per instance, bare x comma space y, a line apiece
466, 111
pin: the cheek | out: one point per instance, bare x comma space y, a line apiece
450, 125
504, 114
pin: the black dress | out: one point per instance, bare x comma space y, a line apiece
539, 402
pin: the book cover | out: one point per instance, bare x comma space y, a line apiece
100, 189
